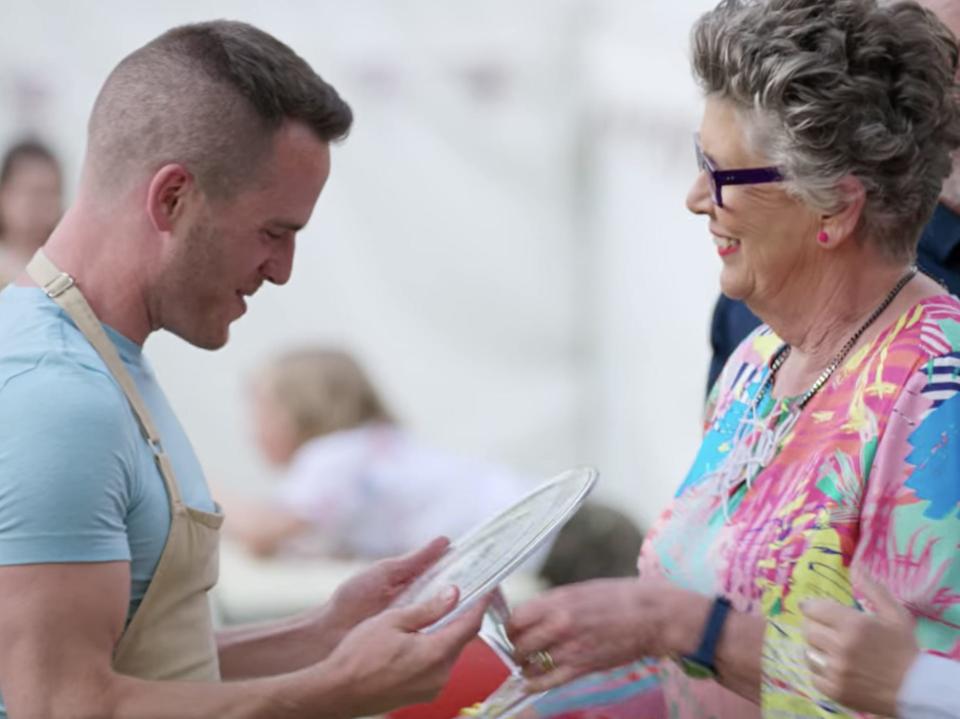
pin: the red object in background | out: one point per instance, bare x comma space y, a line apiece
474, 677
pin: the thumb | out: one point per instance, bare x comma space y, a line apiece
886, 604
426, 613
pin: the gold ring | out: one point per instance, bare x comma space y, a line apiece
543, 660
817, 660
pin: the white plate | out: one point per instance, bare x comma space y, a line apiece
481, 559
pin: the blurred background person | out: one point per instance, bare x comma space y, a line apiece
31, 202
355, 485
599, 541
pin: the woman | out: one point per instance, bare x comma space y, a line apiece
354, 484
30, 204
830, 448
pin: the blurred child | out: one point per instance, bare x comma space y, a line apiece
354, 482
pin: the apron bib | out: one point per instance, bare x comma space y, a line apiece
171, 634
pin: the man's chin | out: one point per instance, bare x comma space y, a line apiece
205, 340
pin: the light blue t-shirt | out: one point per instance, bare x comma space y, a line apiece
78, 482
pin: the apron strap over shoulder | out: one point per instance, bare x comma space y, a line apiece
61, 288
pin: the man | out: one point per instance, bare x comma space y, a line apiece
207, 150
938, 253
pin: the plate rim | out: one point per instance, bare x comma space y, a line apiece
574, 503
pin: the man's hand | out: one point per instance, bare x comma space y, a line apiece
386, 662
370, 592
859, 659
301, 641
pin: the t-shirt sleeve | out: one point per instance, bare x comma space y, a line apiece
67, 449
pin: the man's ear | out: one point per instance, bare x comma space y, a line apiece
841, 226
167, 194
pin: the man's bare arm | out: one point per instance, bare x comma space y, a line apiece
287, 645
60, 623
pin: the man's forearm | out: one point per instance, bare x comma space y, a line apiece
271, 648
282, 697
317, 693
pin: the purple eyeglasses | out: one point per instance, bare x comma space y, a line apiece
719, 178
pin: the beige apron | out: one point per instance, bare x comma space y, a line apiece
171, 635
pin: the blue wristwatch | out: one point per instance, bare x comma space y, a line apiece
700, 664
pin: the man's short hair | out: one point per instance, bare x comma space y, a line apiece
211, 97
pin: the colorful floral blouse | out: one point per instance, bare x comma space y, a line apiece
865, 482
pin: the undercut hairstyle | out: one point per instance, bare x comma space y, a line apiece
323, 391
210, 96
833, 88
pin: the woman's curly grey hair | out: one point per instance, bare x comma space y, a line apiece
832, 88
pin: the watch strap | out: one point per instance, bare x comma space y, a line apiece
705, 655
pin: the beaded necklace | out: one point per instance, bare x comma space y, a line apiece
755, 443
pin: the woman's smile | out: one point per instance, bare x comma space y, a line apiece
725, 245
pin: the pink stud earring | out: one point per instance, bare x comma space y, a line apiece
823, 238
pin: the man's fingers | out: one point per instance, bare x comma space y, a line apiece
426, 613
465, 627
409, 566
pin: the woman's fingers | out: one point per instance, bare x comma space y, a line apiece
826, 612
552, 630
887, 605
819, 636
559, 676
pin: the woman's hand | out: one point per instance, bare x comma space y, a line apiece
859, 659
599, 625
